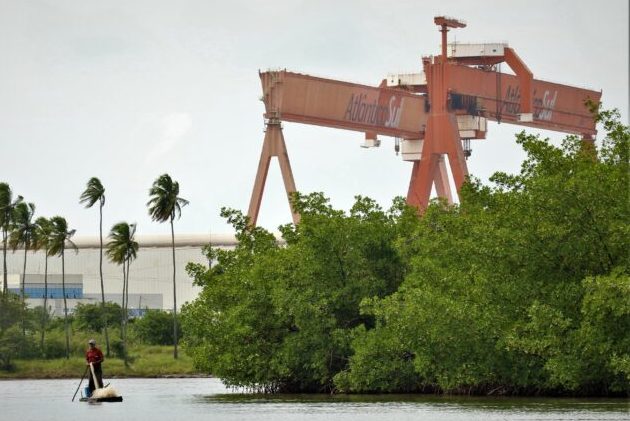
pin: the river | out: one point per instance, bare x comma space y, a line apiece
208, 399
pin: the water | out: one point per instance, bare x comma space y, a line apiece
208, 399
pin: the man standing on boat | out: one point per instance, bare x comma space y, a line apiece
95, 357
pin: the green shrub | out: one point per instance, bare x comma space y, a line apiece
13, 344
155, 328
117, 348
89, 317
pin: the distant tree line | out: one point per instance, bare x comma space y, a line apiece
20, 230
152, 327
522, 288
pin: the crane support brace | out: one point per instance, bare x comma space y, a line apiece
525, 78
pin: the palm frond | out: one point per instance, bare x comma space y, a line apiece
94, 192
59, 236
41, 235
69, 243
22, 225
164, 203
5, 198
122, 246
7, 204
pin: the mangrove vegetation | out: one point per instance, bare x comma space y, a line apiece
521, 288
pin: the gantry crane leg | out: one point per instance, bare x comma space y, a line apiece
273, 145
423, 172
453, 145
440, 177
441, 137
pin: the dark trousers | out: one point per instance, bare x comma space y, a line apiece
99, 376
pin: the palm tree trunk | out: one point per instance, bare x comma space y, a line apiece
127, 289
122, 304
65, 303
22, 289
100, 266
123, 324
45, 312
5, 285
126, 309
174, 292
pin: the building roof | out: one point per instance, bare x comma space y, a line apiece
164, 240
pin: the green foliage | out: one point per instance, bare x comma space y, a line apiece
22, 228
28, 345
60, 236
7, 206
11, 310
119, 349
13, 343
54, 345
89, 317
382, 362
94, 192
595, 354
122, 247
279, 318
148, 361
155, 327
522, 288
164, 203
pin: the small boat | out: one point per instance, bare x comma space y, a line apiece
100, 394
108, 399
105, 394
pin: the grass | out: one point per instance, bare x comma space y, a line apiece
146, 361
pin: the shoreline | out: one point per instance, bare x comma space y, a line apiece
154, 376
613, 397
152, 362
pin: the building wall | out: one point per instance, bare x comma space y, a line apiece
150, 276
35, 285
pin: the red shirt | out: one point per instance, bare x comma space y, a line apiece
94, 355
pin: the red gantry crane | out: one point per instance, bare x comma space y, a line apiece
434, 113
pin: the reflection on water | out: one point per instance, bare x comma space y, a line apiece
208, 399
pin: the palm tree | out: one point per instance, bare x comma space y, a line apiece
122, 249
7, 204
164, 205
59, 239
22, 232
95, 192
41, 240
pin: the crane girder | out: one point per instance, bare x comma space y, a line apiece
307, 99
497, 96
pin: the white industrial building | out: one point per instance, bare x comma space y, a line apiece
150, 277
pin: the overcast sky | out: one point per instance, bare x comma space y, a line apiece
128, 90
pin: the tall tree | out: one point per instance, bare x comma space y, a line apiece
122, 249
95, 192
164, 205
7, 204
22, 232
61, 238
524, 287
41, 240
314, 287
